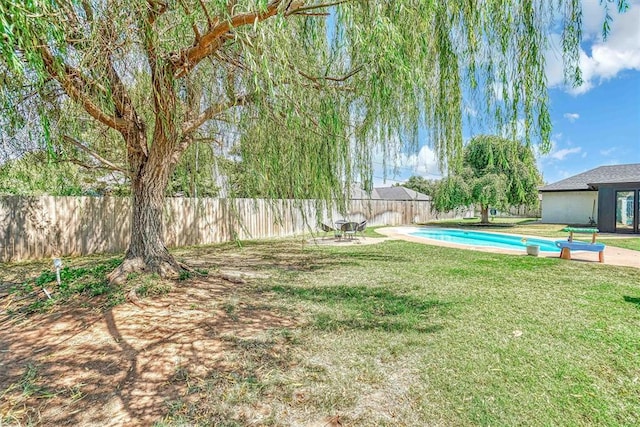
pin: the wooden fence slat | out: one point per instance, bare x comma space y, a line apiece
47, 226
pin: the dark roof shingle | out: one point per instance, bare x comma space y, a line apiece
397, 193
387, 193
600, 175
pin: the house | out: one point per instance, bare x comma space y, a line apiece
397, 193
606, 196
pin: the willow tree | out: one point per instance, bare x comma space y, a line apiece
496, 172
304, 89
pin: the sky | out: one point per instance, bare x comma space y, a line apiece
595, 124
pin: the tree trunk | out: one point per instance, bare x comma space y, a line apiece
151, 166
484, 214
147, 252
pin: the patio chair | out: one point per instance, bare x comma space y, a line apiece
328, 229
361, 227
349, 229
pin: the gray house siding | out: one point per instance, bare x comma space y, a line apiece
607, 200
607, 181
606, 215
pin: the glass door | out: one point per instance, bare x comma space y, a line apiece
625, 212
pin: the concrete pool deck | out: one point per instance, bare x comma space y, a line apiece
612, 255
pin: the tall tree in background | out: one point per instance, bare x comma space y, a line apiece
496, 172
305, 90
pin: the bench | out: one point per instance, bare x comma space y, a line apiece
567, 245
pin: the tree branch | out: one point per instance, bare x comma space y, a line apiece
70, 13
186, 60
333, 79
66, 79
213, 110
123, 105
300, 10
206, 14
231, 5
160, 71
88, 10
193, 25
156, 8
107, 164
231, 61
315, 14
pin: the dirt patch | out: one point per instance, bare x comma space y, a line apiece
124, 366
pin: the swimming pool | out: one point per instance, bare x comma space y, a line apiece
478, 238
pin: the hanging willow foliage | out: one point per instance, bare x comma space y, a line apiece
303, 91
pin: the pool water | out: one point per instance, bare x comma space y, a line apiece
478, 238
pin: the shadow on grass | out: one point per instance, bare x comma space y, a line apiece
359, 307
368, 256
632, 300
175, 358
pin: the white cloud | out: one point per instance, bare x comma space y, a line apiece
469, 110
553, 61
561, 154
425, 163
602, 60
608, 151
572, 117
403, 166
557, 155
542, 158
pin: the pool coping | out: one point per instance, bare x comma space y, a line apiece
612, 255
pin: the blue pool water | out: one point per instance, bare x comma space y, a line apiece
478, 238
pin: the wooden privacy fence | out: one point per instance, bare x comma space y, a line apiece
524, 212
39, 227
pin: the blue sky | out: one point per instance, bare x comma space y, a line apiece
595, 124
599, 127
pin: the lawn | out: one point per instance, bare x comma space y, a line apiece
395, 333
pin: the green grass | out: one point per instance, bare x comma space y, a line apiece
406, 334
632, 243
371, 232
400, 333
498, 221
85, 278
451, 325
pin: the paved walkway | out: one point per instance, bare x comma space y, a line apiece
612, 255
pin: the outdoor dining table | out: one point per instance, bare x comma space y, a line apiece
338, 225
346, 229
